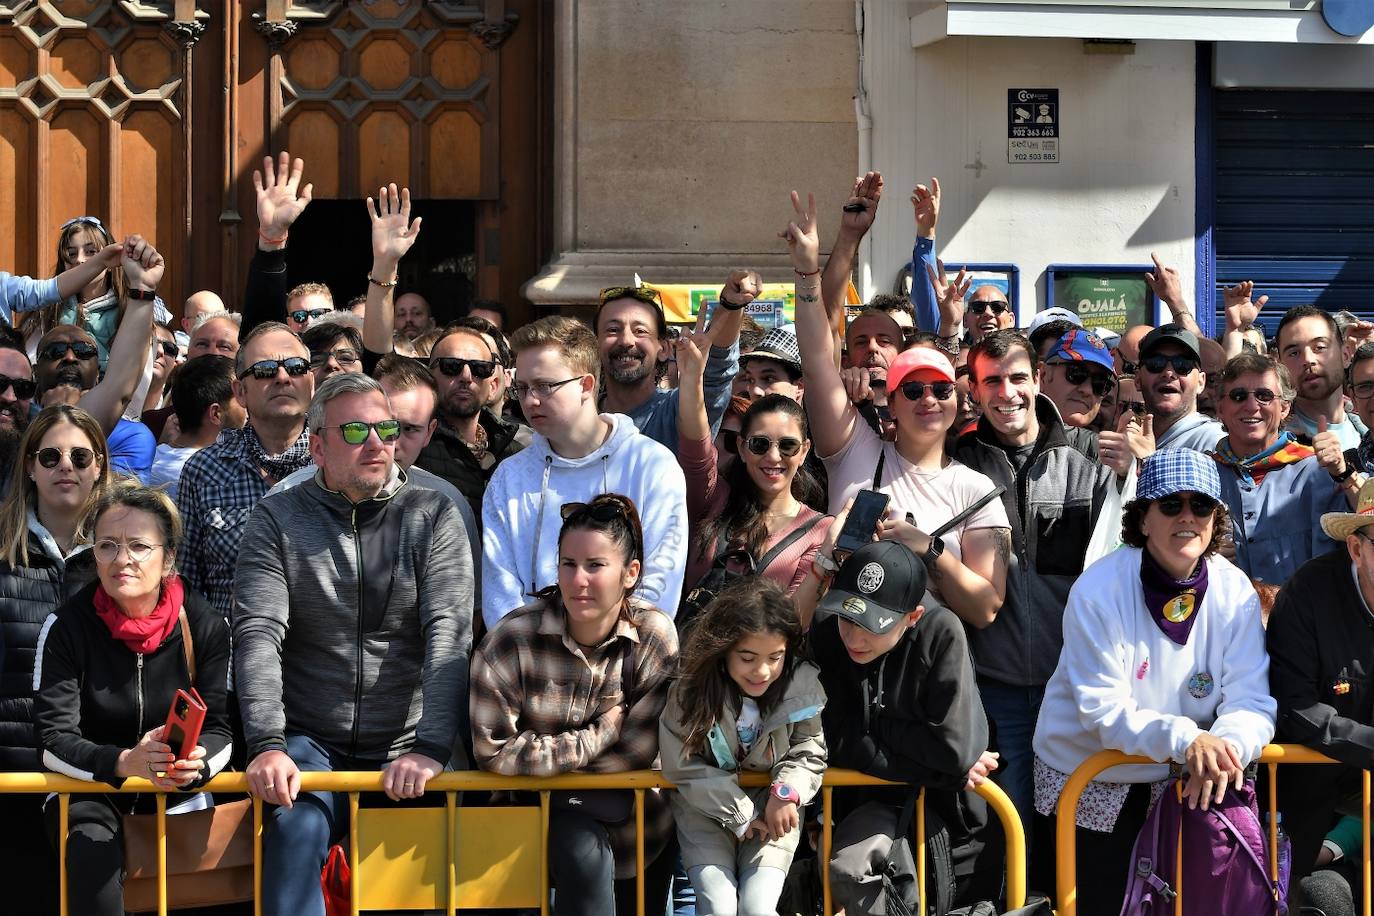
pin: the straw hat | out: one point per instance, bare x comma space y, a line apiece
1341, 525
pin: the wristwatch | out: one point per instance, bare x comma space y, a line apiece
933, 552
825, 566
1344, 475
146, 295
785, 793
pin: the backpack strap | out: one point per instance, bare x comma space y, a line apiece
878, 471
188, 645
791, 538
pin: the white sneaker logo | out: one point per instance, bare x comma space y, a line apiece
870, 578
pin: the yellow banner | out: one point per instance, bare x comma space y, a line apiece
682, 302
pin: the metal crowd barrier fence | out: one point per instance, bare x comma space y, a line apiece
383, 848
1066, 852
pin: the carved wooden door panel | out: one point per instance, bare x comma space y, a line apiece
92, 119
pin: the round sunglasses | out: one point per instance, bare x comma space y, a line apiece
51, 457
1241, 395
914, 391
788, 446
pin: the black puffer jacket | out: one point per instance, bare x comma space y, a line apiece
448, 457
28, 594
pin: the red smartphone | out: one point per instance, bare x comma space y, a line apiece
184, 721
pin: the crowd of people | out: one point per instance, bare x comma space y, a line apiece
914, 541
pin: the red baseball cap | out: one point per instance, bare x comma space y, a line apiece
914, 359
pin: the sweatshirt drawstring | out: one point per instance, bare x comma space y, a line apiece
539, 526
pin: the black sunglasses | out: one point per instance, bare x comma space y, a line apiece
58, 349
1201, 505
1241, 395
452, 366
1077, 375
914, 391
1182, 364
52, 457
169, 348
603, 510
267, 368
301, 316
1135, 407
788, 446
23, 387
996, 306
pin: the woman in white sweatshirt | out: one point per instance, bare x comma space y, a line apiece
1163, 657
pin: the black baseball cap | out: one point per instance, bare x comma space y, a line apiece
877, 586
1175, 333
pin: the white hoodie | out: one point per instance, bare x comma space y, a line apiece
521, 518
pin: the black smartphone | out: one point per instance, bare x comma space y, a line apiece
868, 510
854, 208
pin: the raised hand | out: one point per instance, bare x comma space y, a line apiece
866, 193
858, 384
281, 199
803, 243
1240, 311
143, 266
393, 231
1167, 285
742, 287
925, 202
949, 295
1327, 446
691, 349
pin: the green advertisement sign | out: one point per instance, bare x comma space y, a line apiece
1111, 299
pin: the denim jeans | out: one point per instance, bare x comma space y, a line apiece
1012, 712
753, 892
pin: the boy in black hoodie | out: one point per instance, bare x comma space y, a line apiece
902, 704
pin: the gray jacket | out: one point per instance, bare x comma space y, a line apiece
1053, 505
353, 623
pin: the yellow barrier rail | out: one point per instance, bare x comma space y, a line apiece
453, 782
1066, 849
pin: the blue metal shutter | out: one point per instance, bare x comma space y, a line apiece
1294, 187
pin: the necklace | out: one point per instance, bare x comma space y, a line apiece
479, 446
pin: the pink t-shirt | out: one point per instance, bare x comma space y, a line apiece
931, 498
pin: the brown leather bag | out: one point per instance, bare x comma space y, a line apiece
209, 852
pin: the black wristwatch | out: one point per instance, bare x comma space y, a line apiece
933, 553
1345, 475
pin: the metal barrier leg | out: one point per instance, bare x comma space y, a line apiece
827, 814
161, 854
639, 852
64, 802
1364, 819
544, 854
257, 856
1273, 823
353, 891
920, 848
451, 838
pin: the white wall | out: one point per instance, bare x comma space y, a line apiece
1124, 184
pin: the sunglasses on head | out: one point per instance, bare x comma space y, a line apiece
344, 357
788, 446
1241, 395
1077, 375
52, 457
80, 219
58, 349
452, 366
1181, 364
996, 306
600, 510
1200, 504
267, 368
301, 316
642, 293
355, 432
24, 388
914, 391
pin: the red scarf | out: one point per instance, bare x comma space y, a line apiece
144, 634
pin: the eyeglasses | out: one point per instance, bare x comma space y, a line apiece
1135, 407
108, 550
914, 391
996, 306
1075, 374
58, 349
267, 368
452, 366
345, 356
24, 388
80, 219
301, 316
642, 293
603, 509
788, 446
355, 432
1241, 395
168, 349
1181, 364
1200, 504
542, 390
52, 457
1361, 390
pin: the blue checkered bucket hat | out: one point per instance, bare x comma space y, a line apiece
1175, 470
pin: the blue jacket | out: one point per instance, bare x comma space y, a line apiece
657, 417
922, 293
1277, 525
24, 294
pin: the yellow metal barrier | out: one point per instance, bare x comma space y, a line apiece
1066, 850
453, 782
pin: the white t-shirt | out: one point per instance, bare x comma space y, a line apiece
931, 498
167, 464
747, 725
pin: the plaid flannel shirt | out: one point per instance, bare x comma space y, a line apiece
537, 699
220, 485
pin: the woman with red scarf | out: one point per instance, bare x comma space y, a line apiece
110, 663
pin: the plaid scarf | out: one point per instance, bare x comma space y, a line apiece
1285, 451
278, 466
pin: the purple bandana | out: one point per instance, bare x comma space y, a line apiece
1173, 604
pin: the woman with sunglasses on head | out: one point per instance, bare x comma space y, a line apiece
765, 501
112, 661
1163, 657
926, 489
44, 532
577, 681
1274, 487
